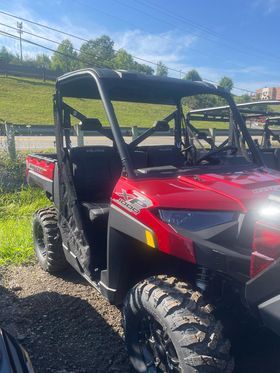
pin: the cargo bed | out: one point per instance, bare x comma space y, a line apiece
40, 171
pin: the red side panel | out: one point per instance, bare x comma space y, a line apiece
40, 166
134, 201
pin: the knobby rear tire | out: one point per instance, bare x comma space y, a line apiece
47, 241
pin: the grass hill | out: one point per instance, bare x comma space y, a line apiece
25, 100
29, 101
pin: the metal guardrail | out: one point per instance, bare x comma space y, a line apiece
48, 130
10, 131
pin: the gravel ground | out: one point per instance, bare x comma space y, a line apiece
66, 326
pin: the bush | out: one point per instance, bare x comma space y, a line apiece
12, 174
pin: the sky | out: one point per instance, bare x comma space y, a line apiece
234, 38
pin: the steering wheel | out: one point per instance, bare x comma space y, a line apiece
217, 151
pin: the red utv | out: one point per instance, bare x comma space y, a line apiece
164, 229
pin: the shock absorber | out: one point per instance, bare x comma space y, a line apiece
202, 278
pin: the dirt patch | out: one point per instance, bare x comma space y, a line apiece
67, 326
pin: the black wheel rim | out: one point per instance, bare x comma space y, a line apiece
157, 349
39, 240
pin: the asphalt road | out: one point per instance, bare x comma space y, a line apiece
48, 142
34, 143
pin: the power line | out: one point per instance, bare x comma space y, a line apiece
199, 27
30, 33
42, 25
78, 59
72, 35
77, 37
7, 34
4, 33
49, 40
86, 40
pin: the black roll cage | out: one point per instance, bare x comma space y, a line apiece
103, 84
269, 133
248, 112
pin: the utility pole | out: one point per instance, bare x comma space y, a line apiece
20, 27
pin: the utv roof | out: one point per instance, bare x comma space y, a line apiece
130, 86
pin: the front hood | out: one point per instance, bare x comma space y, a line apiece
236, 191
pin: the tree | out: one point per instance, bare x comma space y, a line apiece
143, 68
43, 61
6, 56
98, 52
65, 58
123, 60
226, 83
161, 69
193, 75
198, 101
243, 98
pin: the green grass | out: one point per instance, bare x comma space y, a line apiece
29, 101
25, 100
16, 210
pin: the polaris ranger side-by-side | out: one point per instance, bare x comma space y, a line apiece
161, 229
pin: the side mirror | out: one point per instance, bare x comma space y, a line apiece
91, 124
161, 126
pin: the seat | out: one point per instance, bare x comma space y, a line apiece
277, 158
269, 158
139, 158
165, 155
96, 170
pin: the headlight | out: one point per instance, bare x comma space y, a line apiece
196, 220
271, 209
271, 212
